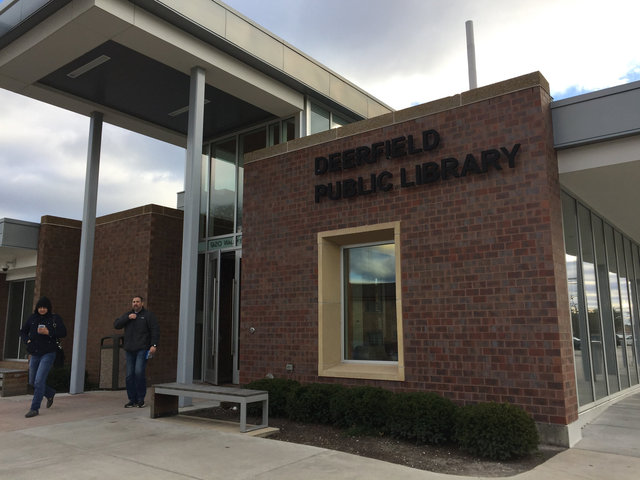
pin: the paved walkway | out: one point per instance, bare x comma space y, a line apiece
90, 436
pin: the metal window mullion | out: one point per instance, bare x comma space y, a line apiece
632, 306
599, 297
582, 298
613, 317
624, 339
635, 312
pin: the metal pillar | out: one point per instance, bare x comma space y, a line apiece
192, 180
81, 326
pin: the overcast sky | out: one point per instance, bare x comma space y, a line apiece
404, 52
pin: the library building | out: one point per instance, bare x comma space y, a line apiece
482, 246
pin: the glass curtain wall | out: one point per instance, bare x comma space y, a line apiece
20, 307
223, 178
603, 271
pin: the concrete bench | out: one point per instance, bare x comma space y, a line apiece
13, 382
166, 395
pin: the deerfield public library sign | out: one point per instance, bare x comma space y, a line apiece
400, 148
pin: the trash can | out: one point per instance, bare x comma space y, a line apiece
112, 362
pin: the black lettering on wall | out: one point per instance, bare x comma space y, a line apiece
449, 167
511, 155
430, 172
470, 165
403, 179
335, 164
348, 159
384, 182
377, 149
490, 158
322, 165
321, 191
338, 191
398, 147
410, 146
363, 155
430, 140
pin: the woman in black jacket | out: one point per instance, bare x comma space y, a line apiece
40, 333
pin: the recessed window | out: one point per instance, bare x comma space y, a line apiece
369, 303
359, 303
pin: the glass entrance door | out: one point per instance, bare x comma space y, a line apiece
221, 321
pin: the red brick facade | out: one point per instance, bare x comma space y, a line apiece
57, 269
484, 296
136, 252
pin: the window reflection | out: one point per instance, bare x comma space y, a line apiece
581, 342
370, 329
603, 267
605, 305
616, 304
223, 188
591, 303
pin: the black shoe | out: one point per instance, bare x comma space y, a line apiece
50, 401
131, 405
31, 413
141, 405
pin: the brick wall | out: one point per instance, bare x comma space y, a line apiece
136, 252
485, 314
57, 270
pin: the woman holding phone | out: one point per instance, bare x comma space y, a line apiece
40, 333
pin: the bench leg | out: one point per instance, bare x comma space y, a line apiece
265, 413
243, 417
163, 405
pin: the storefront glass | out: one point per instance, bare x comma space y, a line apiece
19, 309
602, 271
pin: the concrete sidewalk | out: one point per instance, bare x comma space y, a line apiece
91, 436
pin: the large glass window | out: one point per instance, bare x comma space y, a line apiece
223, 188
320, 119
369, 287
359, 303
20, 307
616, 303
581, 341
607, 340
602, 273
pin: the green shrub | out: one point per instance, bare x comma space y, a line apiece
364, 408
498, 431
312, 403
421, 416
279, 389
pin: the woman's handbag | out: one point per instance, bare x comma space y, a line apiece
59, 361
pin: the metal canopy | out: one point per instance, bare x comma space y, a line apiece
146, 89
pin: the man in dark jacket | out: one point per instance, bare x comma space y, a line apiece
141, 335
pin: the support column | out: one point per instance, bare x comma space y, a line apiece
192, 180
81, 326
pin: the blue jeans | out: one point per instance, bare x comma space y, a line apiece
136, 377
39, 367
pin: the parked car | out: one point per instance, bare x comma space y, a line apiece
628, 339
